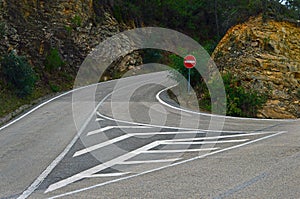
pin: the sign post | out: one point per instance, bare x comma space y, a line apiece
189, 62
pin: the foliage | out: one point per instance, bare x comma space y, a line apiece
19, 73
76, 21
151, 55
240, 102
55, 88
53, 60
69, 30
206, 21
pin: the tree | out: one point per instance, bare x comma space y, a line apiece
19, 74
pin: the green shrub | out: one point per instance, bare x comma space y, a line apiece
69, 30
53, 60
76, 21
240, 102
19, 74
55, 88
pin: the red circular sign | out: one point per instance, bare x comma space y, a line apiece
189, 61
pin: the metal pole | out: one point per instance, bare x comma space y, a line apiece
189, 81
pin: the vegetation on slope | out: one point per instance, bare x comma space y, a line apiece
205, 21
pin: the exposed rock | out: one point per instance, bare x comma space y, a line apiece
74, 27
34, 27
266, 57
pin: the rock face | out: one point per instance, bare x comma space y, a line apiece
266, 57
34, 27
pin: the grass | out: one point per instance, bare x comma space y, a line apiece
11, 102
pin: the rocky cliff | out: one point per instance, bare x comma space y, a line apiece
34, 27
70, 29
266, 57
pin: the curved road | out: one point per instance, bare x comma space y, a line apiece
133, 146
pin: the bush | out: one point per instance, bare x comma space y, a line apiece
76, 21
55, 88
53, 60
240, 102
19, 73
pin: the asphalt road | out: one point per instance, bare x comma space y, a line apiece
131, 145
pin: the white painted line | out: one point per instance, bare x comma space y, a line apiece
99, 119
164, 167
180, 151
151, 161
98, 115
123, 137
101, 145
95, 131
112, 141
174, 142
114, 127
105, 175
220, 137
53, 164
100, 167
52, 99
167, 127
209, 114
167, 133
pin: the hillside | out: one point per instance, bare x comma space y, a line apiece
265, 56
54, 37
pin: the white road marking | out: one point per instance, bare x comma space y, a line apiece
45, 173
167, 133
126, 136
53, 164
100, 167
99, 119
123, 137
210, 114
174, 142
98, 131
180, 151
150, 161
105, 175
164, 167
167, 127
221, 137
114, 127
103, 144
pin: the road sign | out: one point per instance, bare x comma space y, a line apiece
189, 61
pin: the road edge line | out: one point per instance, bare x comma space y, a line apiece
210, 114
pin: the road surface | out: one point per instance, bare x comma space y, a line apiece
143, 147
